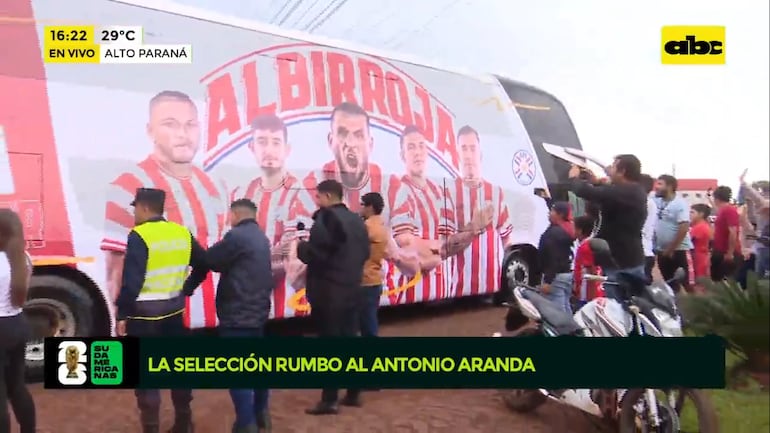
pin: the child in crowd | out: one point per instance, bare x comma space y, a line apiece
700, 233
585, 291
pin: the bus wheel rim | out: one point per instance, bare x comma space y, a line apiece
41, 311
516, 266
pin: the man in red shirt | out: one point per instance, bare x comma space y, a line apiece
585, 291
726, 254
700, 234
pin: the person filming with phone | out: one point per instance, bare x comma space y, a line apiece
622, 204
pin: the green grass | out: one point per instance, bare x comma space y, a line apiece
739, 411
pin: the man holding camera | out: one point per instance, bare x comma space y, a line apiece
623, 207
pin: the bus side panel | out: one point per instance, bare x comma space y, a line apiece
34, 188
252, 117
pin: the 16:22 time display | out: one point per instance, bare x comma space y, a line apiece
71, 35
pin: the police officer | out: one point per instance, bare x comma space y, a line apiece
150, 302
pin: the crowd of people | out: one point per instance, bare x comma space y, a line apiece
343, 252
647, 224
643, 220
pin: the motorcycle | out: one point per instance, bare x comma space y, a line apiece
646, 310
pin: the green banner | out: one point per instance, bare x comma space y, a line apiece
416, 362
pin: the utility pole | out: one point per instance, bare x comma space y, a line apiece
673, 170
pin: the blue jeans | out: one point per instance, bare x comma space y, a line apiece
367, 313
611, 290
561, 289
246, 402
762, 264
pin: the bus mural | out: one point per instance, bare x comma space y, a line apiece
265, 114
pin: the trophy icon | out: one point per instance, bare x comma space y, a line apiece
72, 356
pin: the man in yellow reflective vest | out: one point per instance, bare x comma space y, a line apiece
158, 257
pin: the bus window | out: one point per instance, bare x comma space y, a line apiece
546, 121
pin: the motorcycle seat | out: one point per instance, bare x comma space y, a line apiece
561, 321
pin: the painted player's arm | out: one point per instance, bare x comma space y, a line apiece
118, 222
404, 246
14, 247
406, 249
503, 223
295, 269
199, 262
300, 210
225, 195
464, 237
134, 270
453, 240
433, 251
404, 257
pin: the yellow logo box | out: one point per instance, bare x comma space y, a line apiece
692, 45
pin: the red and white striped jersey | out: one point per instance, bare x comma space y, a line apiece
194, 202
434, 217
477, 268
273, 207
272, 204
398, 213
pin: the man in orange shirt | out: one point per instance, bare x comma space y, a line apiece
372, 205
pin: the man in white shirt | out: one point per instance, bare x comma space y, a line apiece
648, 230
14, 329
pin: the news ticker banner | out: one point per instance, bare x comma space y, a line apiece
395, 362
86, 44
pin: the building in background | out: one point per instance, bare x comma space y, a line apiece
696, 190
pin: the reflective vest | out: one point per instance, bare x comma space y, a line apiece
169, 246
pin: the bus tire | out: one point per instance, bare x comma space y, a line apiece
57, 307
517, 269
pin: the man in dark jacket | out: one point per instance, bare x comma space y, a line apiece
623, 208
242, 258
555, 257
335, 255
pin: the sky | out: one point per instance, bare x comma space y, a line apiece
601, 58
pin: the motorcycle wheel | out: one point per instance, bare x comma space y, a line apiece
523, 400
707, 417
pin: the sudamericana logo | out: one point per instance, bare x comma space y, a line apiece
72, 363
693, 45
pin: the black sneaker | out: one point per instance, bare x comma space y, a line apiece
182, 426
264, 422
251, 428
323, 408
351, 400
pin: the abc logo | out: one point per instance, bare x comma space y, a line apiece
693, 45
72, 359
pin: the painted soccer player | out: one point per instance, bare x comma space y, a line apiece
435, 220
478, 267
192, 197
351, 143
273, 192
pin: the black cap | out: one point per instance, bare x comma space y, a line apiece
562, 208
150, 196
